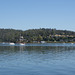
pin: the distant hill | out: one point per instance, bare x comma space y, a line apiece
36, 35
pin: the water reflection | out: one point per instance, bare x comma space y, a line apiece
34, 60
37, 51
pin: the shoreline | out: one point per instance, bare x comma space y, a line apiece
37, 42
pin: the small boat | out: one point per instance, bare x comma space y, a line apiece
22, 43
12, 43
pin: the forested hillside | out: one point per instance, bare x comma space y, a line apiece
36, 35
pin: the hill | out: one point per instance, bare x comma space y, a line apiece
36, 35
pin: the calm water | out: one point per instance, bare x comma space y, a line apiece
37, 59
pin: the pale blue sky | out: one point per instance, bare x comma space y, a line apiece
31, 14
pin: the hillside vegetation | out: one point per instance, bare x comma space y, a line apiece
36, 35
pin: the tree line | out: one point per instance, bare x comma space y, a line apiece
36, 35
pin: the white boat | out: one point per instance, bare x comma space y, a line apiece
22, 43
12, 43
43, 42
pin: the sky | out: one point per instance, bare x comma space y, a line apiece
34, 14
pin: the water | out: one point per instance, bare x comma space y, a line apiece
37, 59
